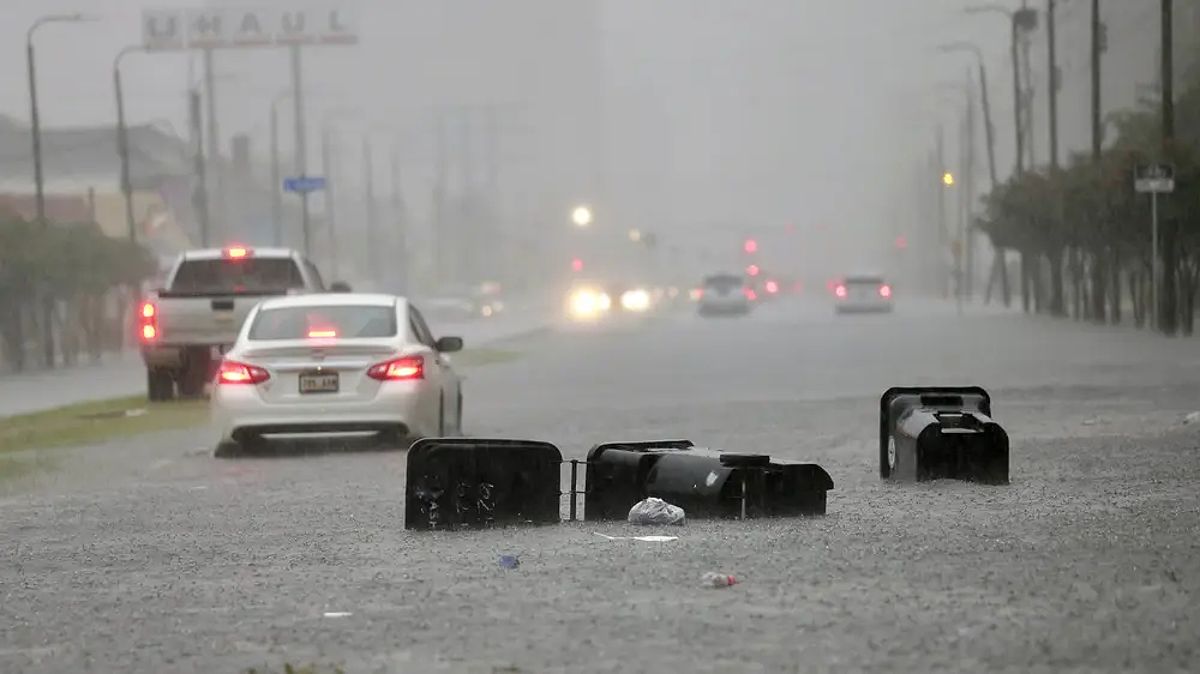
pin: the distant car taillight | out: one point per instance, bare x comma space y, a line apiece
840, 291
772, 287
233, 372
885, 291
750, 294
148, 323
400, 369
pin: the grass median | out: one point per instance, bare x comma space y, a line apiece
98, 421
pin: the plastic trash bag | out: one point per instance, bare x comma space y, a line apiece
655, 511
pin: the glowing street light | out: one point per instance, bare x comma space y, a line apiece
948, 179
635, 235
581, 216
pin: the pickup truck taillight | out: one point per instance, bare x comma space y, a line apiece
148, 323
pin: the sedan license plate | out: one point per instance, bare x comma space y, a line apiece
319, 382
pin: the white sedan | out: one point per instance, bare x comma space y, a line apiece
335, 364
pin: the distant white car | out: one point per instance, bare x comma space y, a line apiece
346, 363
725, 295
863, 293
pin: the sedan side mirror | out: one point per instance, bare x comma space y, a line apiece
449, 344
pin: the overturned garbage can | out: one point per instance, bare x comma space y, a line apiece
932, 433
704, 482
462, 483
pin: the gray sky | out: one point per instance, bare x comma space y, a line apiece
701, 115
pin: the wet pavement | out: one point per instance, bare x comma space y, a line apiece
150, 555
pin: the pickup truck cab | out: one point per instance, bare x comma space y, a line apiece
208, 293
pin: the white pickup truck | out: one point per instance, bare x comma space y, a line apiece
183, 327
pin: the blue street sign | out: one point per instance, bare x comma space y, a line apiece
304, 184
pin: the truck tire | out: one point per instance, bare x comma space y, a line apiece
195, 373
160, 386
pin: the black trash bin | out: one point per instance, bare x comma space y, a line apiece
466, 482
704, 482
933, 433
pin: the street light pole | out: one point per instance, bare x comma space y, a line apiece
989, 131
34, 116
123, 142
1018, 131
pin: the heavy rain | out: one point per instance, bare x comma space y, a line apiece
599, 335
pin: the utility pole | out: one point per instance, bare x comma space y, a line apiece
967, 230
1097, 49
1052, 78
301, 145
401, 224
1166, 278
276, 179
1016, 66
439, 196
200, 191
372, 211
941, 215
214, 139
123, 143
330, 197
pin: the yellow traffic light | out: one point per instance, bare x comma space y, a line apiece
948, 179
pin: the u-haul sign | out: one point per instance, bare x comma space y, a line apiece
220, 28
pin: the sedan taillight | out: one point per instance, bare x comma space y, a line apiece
233, 372
400, 369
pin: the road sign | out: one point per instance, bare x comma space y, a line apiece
1154, 178
304, 184
228, 27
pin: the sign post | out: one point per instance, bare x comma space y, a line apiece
1154, 179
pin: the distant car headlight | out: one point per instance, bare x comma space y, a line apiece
586, 303
635, 300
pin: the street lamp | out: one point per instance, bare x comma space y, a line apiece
123, 140
635, 235
35, 121
1021, 19
581, 216
987, 108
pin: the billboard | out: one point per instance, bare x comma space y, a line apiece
224, 28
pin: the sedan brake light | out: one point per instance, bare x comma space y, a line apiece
885, 291
840, 291
233, 372
400, 369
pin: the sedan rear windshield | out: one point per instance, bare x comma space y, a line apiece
234, 277
325, 322
723, 282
